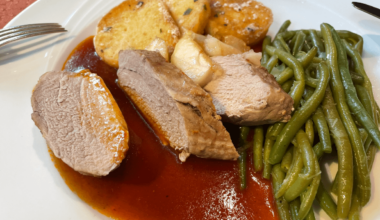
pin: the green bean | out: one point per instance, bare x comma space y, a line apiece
308, 93
317, 60
365, 99
309, 129
276, 130
258, 140
292, 41
311, 82
351, 41
354, 213
291, 176
365, 95
287, 160
335, 184
271, 63
286, 36
299, 83
326, 202
284, 76
304, 60
280, 44
267, 149
299, 118
294, 208
242, 161
345, 158
344, 112
295, 92
284, 27
371, 153
311, 192
300, 54
280, 40
306, 47
351, 65
323, 130
287, 85
358, 39
283, 209
294, 142
367, 143
245, 147
359, 68
265, 56
277, 70
356, 78
244, 131
317, 43
282, 204
308, 159
310, 215
300, 39
363, 135
352, 99
308, 58
318, 150
278, 176
362, 116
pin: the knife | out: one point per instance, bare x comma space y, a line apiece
367, 8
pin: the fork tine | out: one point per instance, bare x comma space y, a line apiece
32, 34
15, 31
28, 31
28, 26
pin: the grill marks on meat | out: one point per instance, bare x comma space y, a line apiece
80, 121
179, 111
246, 94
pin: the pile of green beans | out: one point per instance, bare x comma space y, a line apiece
334, 110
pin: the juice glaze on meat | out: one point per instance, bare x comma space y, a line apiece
151, 183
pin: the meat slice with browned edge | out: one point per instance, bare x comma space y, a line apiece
81, 121
247, 95
180, 112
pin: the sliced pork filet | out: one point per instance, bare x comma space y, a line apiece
245, 94
81, 121
180, 112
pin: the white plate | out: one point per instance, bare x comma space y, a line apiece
30, 186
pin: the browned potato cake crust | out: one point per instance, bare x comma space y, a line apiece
190, 14
134, 24
248, 20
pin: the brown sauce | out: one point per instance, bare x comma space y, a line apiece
151, 183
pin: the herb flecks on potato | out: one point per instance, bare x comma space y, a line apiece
247, 20
134, 25
189, 14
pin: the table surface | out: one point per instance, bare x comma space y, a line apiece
10, 8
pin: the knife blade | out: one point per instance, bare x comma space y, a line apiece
367, 9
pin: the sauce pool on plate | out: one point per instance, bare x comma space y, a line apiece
151, 183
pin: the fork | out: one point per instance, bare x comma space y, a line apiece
29, 30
